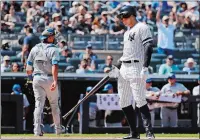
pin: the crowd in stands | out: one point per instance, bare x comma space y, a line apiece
30, 18
173, 26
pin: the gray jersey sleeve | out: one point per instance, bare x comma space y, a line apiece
55, 57
31, 57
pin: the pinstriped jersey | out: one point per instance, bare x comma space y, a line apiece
134, 39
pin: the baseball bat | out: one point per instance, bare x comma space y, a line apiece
94, 89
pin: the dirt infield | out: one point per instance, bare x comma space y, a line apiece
95, 136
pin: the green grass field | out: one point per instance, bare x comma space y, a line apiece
98, 136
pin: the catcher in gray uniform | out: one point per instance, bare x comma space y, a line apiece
135, 60
44, 59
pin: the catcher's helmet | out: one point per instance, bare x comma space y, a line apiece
126, 11
47, 32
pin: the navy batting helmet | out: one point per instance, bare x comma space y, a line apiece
126, 11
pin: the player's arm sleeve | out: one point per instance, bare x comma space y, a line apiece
55, 57
29, 65
147, 42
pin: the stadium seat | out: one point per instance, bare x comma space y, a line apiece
114, 45
96, 45
98, 61
180, 66
180, 72
157, 67
17, 48
62, 59
9, 53
180, 42
155, 62
195, 56
74, 62
63, 66
159, 56
100, 66
15, 59
79, 45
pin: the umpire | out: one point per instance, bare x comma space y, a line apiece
133, 72
44, 59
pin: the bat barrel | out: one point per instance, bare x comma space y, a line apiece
94, 89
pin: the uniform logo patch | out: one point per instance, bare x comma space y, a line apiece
131, 36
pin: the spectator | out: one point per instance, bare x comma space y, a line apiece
182, 8
190, 66
165, 35
82, 28
74, 9
5, 67
171, 89
66, 28
15, 67
83, 68
25, 6
90, 63
72, 23
57, 8
105, 21
108, 64
17, 91
12, 17
44, 20
59, 32
29, 42
97, 9
55, 17
112, 118
66, 52
150, 19
50, 4
14, 4
117, 28
29, 22
193, 11
88, 20
141, 16
151, 91
32, 12
168, 67
188, 24
89, 52
40, 6
196, 92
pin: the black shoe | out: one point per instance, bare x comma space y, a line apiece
132, 136
150, 135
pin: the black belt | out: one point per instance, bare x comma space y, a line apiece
41, 74
130, 61
171, 108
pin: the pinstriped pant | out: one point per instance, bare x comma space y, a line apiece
131, 86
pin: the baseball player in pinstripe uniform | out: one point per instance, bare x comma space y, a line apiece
44, 59
133, 71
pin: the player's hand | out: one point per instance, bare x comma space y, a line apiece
53, 86
179, 93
